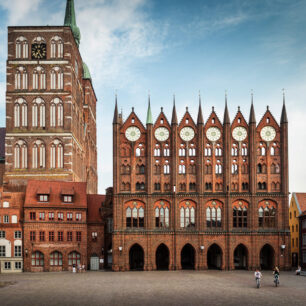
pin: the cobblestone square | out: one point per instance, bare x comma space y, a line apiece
151, 288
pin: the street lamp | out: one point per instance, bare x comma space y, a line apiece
202, 248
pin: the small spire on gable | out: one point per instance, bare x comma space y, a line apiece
284, 118
226, 119
252, 118
174, 116
115, 120
200, 114
149, 113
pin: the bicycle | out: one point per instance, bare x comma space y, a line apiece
276, 280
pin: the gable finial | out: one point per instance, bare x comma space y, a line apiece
149, 113
284, 118
174, 116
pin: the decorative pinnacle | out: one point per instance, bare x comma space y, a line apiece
149, 113
284, 118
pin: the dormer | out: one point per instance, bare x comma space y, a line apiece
43, 194
67, 195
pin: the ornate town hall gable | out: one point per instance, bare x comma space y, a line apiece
200, 194
50, 107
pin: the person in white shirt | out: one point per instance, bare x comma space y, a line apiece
258, 277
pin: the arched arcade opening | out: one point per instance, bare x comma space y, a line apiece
214, 257
241, 257
136, 257
188, 257
162, 257
267, 255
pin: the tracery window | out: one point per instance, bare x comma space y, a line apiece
56, 113
22, 47
57, 47
157, 186
214, 214
266, 213
38, 116
56, 154
57, 78
157, 169
218, 150
240, 214
192, 187
234, 150
162, 212
38, 155
39, 78
262, 186
21, 78
208, 186
218, 167
20, 112
20, 155
192, 150
275, 169
182, 187
182, 169
56, 259
208, 167
157, 150
140, 169
187, 214
182, 152
134, 214
261, 149
167, 168
37, 259
166, 150
207, 150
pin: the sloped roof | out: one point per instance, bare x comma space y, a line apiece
300, 200
55, 196
94, 202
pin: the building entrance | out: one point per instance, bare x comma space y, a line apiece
267, 257
241, 257
136, 257
187, 257
214, 257
162, 258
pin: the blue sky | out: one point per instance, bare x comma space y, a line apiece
181, 47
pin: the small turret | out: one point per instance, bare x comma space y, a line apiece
284, 118
200, 114
226, 119
149, 113
70, 21
252, 118
116, 117
174, 116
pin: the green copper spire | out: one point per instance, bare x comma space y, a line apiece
70, 21
149, 113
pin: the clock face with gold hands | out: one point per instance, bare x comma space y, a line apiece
39, 51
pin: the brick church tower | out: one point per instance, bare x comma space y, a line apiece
50, 107
200, 195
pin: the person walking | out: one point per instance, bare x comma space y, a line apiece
258, 277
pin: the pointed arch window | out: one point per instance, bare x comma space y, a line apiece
134, 214
240, 214
187, 214
21, 78
22, 47
267, 214
244, 150
234, 150
57, 47
218, 150
207, 150
56, 113
213, 214
39, 78
182, 169
56, 154
38, 104
57, 78
21, 155
166, 169
39, 155
218, 167
162, 209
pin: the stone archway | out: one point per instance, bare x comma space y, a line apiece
267, 259
162, 257
188, 257
214, 257
241, 257
136, 257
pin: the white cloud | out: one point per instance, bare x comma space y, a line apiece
19, 10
